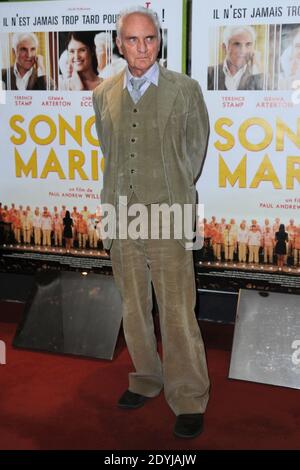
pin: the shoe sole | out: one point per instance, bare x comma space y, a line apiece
131, 407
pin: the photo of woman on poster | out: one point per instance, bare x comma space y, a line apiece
78, 62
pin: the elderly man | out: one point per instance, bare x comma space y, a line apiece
239, 70
28, 71
152, 126
109, 63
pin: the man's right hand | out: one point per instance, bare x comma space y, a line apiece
39, 63
75, 81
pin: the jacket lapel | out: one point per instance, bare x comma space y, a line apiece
32, 80
221, 78
114, 98
245, 77
167, 92
13, 82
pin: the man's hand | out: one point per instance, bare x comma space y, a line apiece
75, 82
254, 60
39, 62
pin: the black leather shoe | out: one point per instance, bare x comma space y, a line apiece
188, 425
131, 400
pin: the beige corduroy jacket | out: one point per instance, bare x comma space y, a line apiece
183, 129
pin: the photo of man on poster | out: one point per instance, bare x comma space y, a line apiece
28, 71
240, 69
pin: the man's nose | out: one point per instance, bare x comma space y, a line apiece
142, 46
243, 49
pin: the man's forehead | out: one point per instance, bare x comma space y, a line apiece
135, 18
27, 43
241, 37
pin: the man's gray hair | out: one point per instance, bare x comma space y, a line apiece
19, 37
143, 11
231, 31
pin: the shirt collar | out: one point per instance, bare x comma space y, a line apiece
151, 75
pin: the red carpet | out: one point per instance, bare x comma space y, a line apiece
52, 401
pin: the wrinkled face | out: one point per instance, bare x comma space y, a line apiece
80, 56
26, 54
240, 49
139, 43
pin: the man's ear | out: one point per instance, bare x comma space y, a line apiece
119, 45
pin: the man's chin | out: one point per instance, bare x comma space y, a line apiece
143, 63
239, 65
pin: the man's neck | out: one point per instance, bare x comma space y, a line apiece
233, 69
134, 73
21, 70
137, 73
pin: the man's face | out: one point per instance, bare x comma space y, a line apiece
26, 54
139, 43
240, 49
